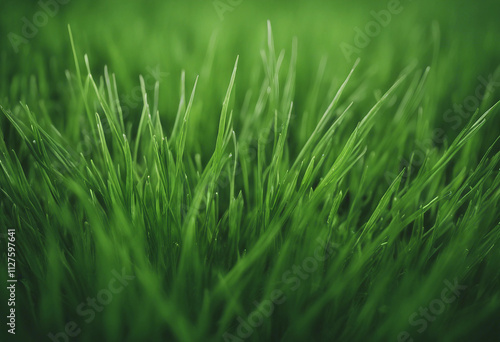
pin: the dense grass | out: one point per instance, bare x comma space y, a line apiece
252, 162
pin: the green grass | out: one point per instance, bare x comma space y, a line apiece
250, 164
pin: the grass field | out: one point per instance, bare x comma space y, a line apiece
242, 170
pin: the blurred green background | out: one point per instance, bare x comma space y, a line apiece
135, 37
161, 39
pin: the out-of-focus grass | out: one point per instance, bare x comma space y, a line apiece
211, 178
